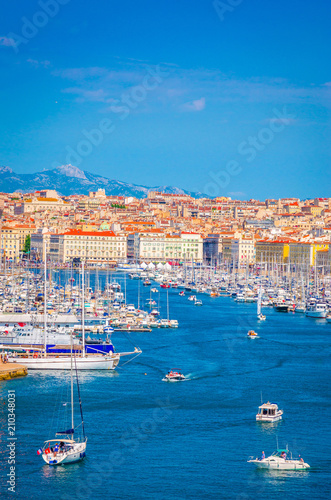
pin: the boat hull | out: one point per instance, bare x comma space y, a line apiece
285, 465
87, 363
268, 419
71, 457
316, 314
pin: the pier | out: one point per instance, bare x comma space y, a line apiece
12, 370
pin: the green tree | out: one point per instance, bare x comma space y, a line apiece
27, 244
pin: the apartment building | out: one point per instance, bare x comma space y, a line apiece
93, 247
276, 251
157, 246
305, 253
13, 240
40, 204
243, 250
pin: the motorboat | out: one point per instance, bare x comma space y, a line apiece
281, 306
269, 412
279, 461
316, 310
252, 335
174, 376
261, 317
198, 302
182, 294
192, 298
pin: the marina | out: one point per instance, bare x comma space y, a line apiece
226, 375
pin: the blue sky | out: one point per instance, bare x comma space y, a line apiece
176, 93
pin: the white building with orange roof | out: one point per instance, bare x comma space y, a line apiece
91, 246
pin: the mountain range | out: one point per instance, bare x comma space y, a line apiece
68, 179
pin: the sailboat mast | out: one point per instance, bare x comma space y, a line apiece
71, 386
45, 304
83, 309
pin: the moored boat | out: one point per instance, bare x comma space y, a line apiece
269, 412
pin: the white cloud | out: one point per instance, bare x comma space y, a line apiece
196, 105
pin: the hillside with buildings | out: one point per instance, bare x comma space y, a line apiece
163, 227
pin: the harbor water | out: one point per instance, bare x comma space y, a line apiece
148, 439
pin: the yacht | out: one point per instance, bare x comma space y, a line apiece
316, 309
279, 461
269, 412
281, 306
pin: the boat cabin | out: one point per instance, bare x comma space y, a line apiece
268, 409
269, 412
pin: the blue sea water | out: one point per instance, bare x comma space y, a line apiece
152, 440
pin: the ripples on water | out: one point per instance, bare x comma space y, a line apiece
151, 440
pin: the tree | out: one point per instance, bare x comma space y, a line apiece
27, 244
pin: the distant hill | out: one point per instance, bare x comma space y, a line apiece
68, 179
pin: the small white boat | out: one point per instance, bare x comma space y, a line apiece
252, 335
182, 294
279, 461
192, 298
174, 376
261, 317
269, 412
198, 302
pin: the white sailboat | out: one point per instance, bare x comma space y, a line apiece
64, 449
260, 316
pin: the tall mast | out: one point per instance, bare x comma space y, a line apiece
167, 304
45, 305
83, 310
72, 386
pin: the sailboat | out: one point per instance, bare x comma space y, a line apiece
260, 316
64, 449
39, 359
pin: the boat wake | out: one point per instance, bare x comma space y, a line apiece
211, 373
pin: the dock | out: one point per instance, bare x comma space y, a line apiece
12, 370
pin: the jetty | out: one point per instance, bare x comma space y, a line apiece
12, 370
